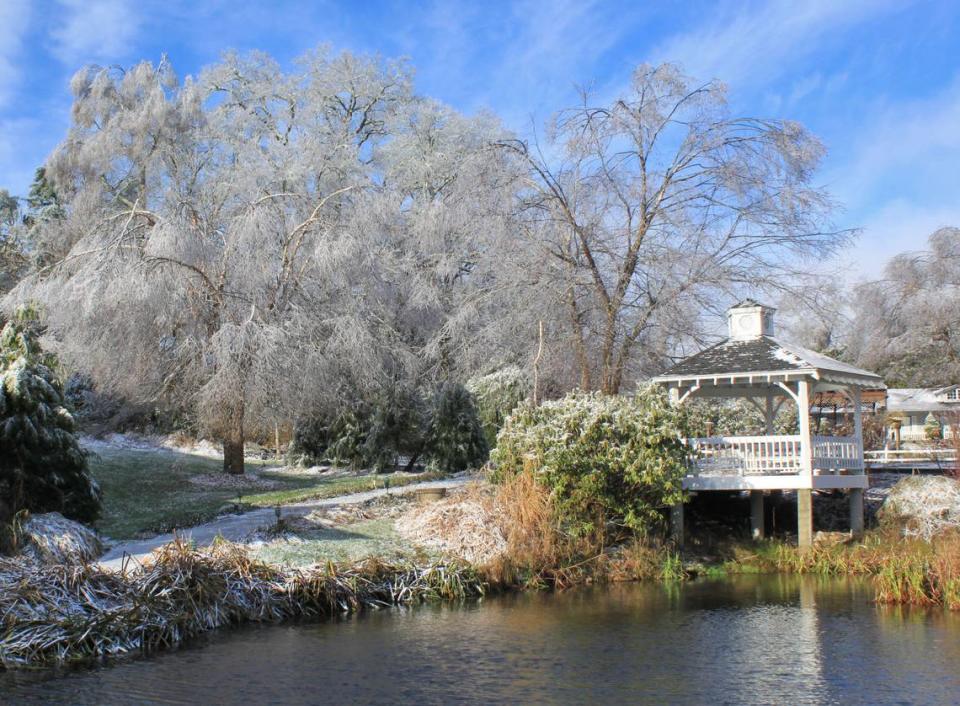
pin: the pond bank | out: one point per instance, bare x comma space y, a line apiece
745, 640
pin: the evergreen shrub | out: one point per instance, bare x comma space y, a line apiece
613, 463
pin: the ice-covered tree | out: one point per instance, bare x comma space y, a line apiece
906, 324
663, 204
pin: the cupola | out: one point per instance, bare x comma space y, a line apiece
749, 320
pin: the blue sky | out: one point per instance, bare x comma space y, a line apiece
878, 81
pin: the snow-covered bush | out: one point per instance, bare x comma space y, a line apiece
53, 539
613, 462
496, 395
923, 505
42, 466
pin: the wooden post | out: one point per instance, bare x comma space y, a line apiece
756, 514
856, 398
804, 518
676, 524
856, 511
768, 413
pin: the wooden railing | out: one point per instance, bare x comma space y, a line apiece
745, 455
937, 456
835, 453
771, 455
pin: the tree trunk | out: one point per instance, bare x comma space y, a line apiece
233, 453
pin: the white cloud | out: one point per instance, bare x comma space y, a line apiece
757, 43
899, 226
14, 20
898, 176
93, 30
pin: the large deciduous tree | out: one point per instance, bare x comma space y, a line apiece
907, 323
202, 225
661, 204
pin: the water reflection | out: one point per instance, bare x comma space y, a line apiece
748, 640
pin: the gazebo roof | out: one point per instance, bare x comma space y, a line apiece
765, 356
751, 356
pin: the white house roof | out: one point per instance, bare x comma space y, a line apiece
919, 399
766, 356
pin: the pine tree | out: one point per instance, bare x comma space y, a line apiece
42, 466
455, 438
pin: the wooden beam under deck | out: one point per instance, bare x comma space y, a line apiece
776, 482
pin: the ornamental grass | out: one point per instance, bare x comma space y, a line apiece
57, 615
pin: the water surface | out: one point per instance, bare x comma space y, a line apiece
751, 640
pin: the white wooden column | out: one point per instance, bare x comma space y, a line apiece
856, 398
806, 438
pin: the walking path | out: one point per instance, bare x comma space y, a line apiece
235, 527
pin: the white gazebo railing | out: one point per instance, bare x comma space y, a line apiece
745, 455
771, 455
837, 453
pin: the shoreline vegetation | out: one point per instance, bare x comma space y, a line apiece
58, 615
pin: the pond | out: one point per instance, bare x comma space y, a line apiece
749, 640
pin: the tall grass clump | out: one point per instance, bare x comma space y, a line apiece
904, 570
67, 614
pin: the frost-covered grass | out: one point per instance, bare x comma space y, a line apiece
149, 492
346, 543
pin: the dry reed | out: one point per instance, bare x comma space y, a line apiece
77, 614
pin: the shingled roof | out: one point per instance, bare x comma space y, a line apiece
764, 355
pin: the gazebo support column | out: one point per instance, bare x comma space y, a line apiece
805, 518
756, 514
856, 511
676, 524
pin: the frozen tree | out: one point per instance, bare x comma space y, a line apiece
13, 258
907, 324
660, 205
203, 237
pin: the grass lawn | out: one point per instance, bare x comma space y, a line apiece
346, 543
150, 492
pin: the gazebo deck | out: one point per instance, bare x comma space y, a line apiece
773, 462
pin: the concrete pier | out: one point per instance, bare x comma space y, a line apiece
856, 511
804, 517
756, 514
676, 524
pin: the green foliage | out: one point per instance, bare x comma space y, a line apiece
496, 395
395, 427
348, 436
612, 462
455, 439
444, 430
931, 428
42, 467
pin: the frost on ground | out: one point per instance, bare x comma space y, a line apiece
924, 505
53, 539
463, 524
159, 442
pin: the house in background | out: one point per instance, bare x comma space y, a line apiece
914, 405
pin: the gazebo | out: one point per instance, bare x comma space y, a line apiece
751, 364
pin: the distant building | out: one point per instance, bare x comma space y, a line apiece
914, 405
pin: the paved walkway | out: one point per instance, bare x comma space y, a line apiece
235, 527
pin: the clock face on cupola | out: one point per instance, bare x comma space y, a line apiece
749, 320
